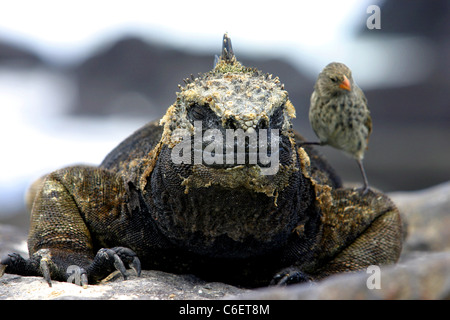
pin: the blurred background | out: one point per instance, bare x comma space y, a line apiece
78, 77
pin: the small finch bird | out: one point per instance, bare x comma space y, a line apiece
339, 115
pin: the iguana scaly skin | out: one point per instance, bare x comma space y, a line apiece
223, 222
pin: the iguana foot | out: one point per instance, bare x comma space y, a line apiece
39, 264
15, 263
107, 261
52, 265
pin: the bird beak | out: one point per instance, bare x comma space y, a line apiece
345, 84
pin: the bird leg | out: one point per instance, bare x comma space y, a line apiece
365, 188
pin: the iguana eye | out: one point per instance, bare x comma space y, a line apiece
197, 112
277, 118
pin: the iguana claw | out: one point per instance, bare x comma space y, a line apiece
43, 264
115, 258
136, 266
2, 269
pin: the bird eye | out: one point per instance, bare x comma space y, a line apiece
334, 79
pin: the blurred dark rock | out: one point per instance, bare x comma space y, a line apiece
136, 78
411, 122
416, 17
133, 78
16, 56
426, 214
423, 271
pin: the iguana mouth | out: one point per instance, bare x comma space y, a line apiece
241, 158
235, 150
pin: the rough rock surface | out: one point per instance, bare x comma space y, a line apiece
423, 271
424, 277
155, 285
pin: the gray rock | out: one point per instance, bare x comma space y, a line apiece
426, 214
422, 273
152, 285
425, 277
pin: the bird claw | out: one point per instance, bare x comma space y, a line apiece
365, 190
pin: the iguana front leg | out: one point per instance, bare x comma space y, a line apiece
357, 231
362, 230
72, 207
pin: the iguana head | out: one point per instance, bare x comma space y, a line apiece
246, 101
237, 96
228, 154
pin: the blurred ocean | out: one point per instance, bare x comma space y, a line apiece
38, 135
